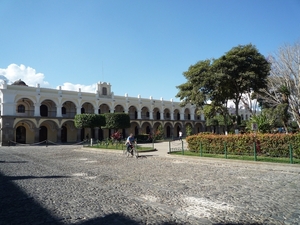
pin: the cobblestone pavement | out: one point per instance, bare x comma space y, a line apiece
73, 185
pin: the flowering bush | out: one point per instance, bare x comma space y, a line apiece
117, 136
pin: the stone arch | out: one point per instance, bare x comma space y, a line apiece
167, 114
70, 131
187, 114
156, 113
176, 114
28, 123
48, 130
156, 125
145, 113
134, 129
19, 98
47, 100
146, 128
70, 109
119, 108
197, 115
28, 107
168, 130
177, 127
48, 108
103, 108
87, 107
29, 126
132, 112
21, 135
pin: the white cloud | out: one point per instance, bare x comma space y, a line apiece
29, 75
75, 87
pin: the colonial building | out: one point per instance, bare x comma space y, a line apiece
34, 114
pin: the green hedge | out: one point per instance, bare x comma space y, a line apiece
143, 138
275, 145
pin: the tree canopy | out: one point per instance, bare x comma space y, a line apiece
89, 120
241, 70
244, 70
117, 120
198, 86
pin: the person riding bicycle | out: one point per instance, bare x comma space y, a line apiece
129, 143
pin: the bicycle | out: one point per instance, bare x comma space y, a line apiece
125, 150
132, 152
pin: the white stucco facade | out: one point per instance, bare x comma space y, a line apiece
34, 114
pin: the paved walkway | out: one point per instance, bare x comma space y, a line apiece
73, 185
163, 147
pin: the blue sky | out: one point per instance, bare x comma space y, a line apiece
140, 47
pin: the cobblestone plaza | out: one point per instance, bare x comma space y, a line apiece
75, 185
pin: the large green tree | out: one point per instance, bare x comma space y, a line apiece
244, 70
241, 70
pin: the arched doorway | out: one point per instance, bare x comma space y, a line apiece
64, 134
147, 130
100, 134
178, 129
44, 110
21, 135
168, 131
43, 134
158, 115
135, 115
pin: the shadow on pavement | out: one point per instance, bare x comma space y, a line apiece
13, 161
33, 177
238, 223
17, 208
113, 219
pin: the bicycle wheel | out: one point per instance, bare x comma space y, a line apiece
125, 151
135, 153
